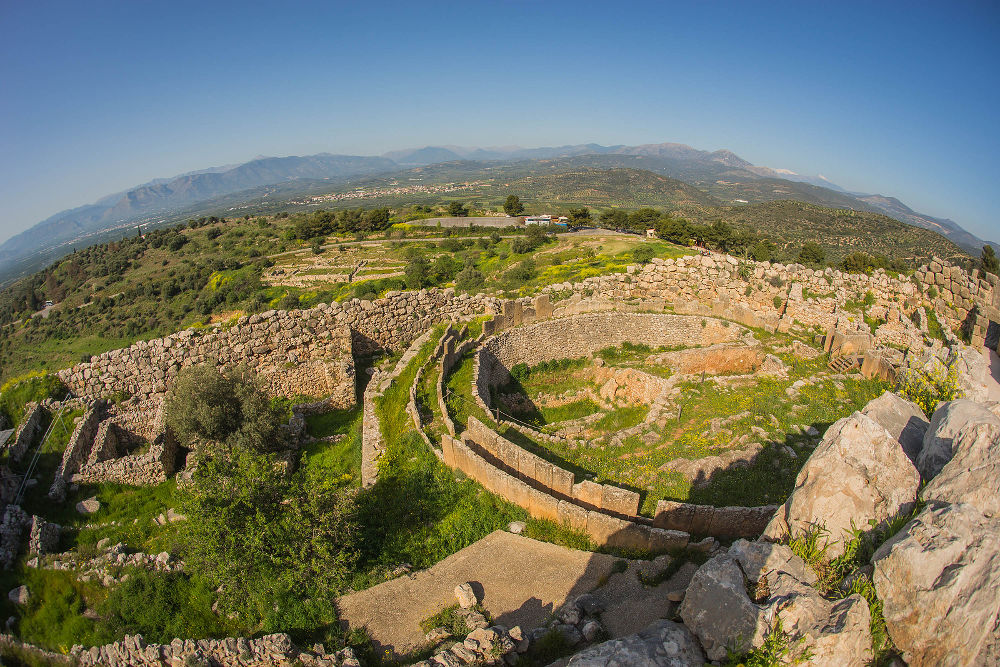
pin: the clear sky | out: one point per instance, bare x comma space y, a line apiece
899, 98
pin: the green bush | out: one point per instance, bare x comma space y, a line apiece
229, 408
643, 254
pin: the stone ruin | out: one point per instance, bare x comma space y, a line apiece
932, 618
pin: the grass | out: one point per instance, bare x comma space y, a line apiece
568, 411
18, 392
341, 459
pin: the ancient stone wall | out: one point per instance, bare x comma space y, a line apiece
603, 528
716, 521
583, 335
78, 449
307, 352
28, 431
545, 476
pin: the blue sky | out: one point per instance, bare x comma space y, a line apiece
895, 98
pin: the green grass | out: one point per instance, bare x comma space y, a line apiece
18, 392
53, 617
341, 459
569, 411
622, 418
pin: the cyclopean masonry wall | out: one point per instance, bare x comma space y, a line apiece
294, 352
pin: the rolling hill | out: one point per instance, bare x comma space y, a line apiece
694, 177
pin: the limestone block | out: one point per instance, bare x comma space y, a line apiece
588, 494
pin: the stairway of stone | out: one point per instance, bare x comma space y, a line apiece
843, 364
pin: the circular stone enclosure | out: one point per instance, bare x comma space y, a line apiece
584, 335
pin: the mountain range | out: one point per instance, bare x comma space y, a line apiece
721, 175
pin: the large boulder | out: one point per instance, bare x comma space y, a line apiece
902, 418
857, 474
972, 370
662, 644
938, 580
973, 474
719, 610
948, 420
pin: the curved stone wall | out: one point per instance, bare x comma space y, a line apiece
583, 335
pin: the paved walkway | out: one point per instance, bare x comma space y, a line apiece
520, 581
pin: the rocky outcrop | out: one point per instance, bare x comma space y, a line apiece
972, 370
938, 580
948, 420
902, 418
857, 474
738, 597
662, 644
972, 476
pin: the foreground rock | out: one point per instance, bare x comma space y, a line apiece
858, 473
973, 372
902, 418
938, 580
719, 610
662, 644
948, 420
466, 596
88, 506
973, 474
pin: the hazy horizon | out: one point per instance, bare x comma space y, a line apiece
886, 99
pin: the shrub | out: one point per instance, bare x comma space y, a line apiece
279, 546
643, 254
206, 404
928, 390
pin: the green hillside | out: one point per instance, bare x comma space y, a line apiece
841, 232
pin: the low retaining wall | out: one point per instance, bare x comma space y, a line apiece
372, 442
78, 449
603, 529
746, 522
546, 476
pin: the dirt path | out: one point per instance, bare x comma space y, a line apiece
520, 581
